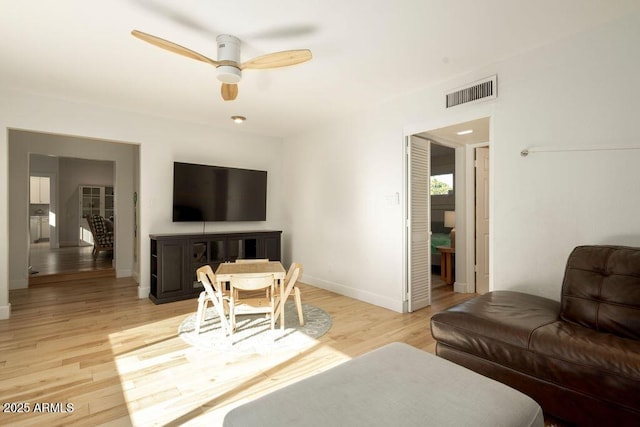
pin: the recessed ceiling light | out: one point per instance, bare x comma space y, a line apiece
238, 119
465, 132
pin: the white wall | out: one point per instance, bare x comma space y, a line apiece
161, 142
580, 92
345, 226
73, 173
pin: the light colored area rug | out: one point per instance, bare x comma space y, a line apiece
253, 332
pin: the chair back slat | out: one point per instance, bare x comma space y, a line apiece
252, 283
213, 293
206, 276
293, 274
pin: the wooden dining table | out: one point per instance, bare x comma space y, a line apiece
226, 270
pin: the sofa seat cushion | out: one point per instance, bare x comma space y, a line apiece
496, 326
501, 316
602, 365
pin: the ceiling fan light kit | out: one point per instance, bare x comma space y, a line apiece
228, 65
228, 74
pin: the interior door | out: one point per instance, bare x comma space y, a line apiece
482, 220
418, 223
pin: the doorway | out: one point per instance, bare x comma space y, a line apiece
62, 244
463, 138
122, 159
443, 211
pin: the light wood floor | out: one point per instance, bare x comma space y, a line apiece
118, 360
50, 265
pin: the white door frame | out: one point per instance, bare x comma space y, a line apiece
464, 260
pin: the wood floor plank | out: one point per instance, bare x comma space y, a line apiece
119, 361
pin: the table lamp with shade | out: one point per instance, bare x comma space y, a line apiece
450, 222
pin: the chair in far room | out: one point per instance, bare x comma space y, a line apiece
102, 237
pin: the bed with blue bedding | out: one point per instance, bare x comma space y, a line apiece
439, 239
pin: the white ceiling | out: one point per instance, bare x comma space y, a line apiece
365, 51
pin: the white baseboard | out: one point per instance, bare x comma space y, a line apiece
5, 311
462, 288
18, 284
68, 243
143, 292
368, 297
123, 273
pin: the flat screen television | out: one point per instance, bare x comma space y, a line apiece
215, 193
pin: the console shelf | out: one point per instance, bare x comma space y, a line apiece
175, 258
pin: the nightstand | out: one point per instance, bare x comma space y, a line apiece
447, 267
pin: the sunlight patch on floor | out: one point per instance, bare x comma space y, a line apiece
166, 381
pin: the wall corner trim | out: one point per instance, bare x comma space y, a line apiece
5, 311
143, 292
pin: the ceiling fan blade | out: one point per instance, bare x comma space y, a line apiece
229, 91
277, 59
173, 47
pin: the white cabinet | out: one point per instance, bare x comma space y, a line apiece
34, 228
45, 230
39, 190
39, 228
96, 200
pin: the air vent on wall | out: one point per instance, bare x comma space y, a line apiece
481, 90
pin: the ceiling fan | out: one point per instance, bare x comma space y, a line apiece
228, 65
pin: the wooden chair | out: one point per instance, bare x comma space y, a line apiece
293, 274
214, 294
252, 304
102, 237
252, 260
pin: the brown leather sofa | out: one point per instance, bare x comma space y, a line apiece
578, 358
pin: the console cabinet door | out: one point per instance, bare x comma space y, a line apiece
171, 268
271, 247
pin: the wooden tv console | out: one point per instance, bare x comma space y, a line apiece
175, 258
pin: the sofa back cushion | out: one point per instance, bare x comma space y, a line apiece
601, 289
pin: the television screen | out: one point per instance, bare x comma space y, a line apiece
214, 193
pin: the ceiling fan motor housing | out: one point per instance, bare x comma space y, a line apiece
228, 50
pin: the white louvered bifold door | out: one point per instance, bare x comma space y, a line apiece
419, 210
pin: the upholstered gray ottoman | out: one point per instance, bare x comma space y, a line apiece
395, 385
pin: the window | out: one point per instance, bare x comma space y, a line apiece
442, 184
